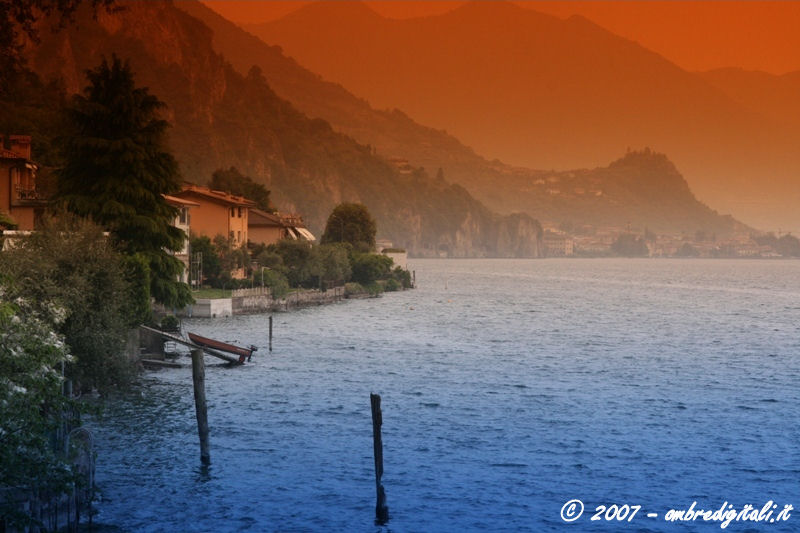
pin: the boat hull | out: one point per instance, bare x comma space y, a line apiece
243, 353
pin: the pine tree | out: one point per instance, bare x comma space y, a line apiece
117, 169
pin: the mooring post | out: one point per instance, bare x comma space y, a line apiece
381, 510
199, 379
270, 333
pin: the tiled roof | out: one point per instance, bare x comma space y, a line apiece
257, 217
217, 196
174, 200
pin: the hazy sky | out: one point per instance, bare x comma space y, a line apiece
701, 35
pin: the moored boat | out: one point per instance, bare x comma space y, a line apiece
243, 353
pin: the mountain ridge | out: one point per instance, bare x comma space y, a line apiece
393, 133
222, 118
542, 92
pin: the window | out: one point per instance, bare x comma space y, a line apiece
240, 212
233, 212
184, 217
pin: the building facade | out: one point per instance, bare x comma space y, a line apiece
21, 205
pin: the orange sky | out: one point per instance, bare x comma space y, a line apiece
754, 35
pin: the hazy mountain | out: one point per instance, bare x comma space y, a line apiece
222, 118
542, 92
777, 97
500, 186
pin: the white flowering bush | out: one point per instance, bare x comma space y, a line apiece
71, 277
32, 406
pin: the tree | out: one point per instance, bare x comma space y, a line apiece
117, 171
232, 181
300, 261
629, 245
368, 268
70, 266
31, 403
351, 223
334, 262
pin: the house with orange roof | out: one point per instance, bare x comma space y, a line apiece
218, 213
19, 200
269, 228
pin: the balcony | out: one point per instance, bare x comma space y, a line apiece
26, 196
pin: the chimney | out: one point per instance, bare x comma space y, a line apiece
21, 145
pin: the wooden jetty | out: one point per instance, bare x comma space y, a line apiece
233, 359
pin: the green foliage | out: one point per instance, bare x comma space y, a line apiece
117, 171
368, 268
353, 289
276, 281
232, 181
374, 288
402, 276
334, 262
70, 264
230, 257
391, 285
300, 262
629, 245
6, 222
31, 404
170, 323
353, 224
211, 264
687, 250
786, 245
270, 259
137, 274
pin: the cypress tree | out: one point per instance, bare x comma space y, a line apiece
117, 169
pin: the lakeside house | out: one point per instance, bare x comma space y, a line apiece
182, 221
269, 228
20, 202
218, 213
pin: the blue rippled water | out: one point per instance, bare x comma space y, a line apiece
509, 387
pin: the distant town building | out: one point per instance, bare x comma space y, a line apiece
558, 244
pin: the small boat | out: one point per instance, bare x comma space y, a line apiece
243, 353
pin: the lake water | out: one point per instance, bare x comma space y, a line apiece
509, 388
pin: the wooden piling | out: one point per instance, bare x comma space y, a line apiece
199, 379
381, 510
270, 333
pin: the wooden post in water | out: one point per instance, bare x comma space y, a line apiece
381, 510
199, 379
270, 333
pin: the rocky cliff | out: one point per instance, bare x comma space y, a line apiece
222, 118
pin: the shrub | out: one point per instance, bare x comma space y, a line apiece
353, 289
71, 264
277, 283
170, 323
402, 276
370, 267
391, 285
